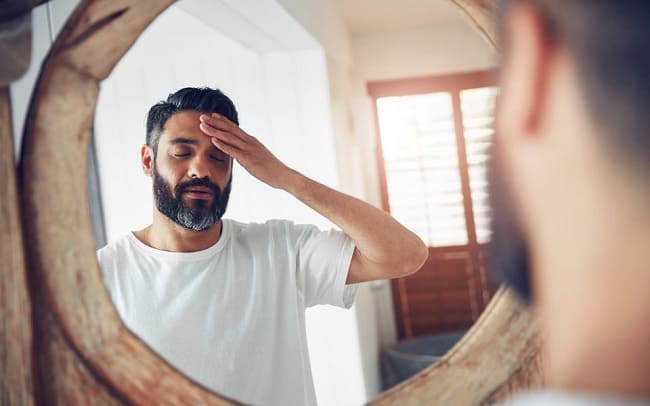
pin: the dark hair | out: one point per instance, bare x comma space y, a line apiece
205, 100
610, 43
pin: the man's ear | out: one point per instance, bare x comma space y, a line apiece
524, 76
147, 159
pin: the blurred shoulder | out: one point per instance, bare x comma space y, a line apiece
115, 248
539, 398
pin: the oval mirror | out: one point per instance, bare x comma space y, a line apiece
323, 118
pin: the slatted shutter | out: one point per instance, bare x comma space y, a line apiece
434, 139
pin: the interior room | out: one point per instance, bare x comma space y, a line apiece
334, 202
344, 92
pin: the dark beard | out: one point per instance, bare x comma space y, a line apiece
509, 260
201, 215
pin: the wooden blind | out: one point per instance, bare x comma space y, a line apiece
421, 164
477, 107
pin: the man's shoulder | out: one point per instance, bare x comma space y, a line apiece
541, 398
114, 249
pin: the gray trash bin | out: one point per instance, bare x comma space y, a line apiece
408, 357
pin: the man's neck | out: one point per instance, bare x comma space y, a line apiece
593, 295
165, 235
600, 342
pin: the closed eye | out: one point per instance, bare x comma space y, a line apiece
182, 155
218, 159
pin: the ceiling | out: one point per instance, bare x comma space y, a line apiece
371, 16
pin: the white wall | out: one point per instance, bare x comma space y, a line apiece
320, 19
421, 51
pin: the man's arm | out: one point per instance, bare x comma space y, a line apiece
384, 248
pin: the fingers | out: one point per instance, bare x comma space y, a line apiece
222, 123
232, 140
227, 148
223, 136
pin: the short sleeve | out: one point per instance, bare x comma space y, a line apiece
322, 264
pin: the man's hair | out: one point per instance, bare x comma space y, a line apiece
609, 41
205, 100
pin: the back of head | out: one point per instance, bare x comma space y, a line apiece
609, 42
205, 100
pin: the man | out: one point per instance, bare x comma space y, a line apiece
571, 190
224, 301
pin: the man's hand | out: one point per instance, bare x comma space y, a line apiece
246, 149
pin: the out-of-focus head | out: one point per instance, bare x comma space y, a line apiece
573, 111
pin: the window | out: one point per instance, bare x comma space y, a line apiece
421, 166
434, 137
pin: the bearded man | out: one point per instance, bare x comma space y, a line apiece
222, 301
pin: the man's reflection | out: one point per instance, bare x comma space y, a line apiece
224, 301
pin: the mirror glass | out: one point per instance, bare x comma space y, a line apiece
388, 101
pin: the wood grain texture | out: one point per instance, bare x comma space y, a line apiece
527, 376
63, 376
16, 384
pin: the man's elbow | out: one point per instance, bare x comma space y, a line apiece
418, 255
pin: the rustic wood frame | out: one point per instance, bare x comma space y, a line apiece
62, 341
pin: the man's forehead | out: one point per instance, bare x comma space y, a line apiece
184, 125
182, 128
184, 118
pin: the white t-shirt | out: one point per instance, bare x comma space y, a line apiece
555, 398
232, 316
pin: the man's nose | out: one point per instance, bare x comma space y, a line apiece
199, 167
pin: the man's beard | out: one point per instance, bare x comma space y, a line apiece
509, 260
198, 215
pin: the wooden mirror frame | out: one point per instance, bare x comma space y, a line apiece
82, 352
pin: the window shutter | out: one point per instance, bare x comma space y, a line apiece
421, 164
477, 107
